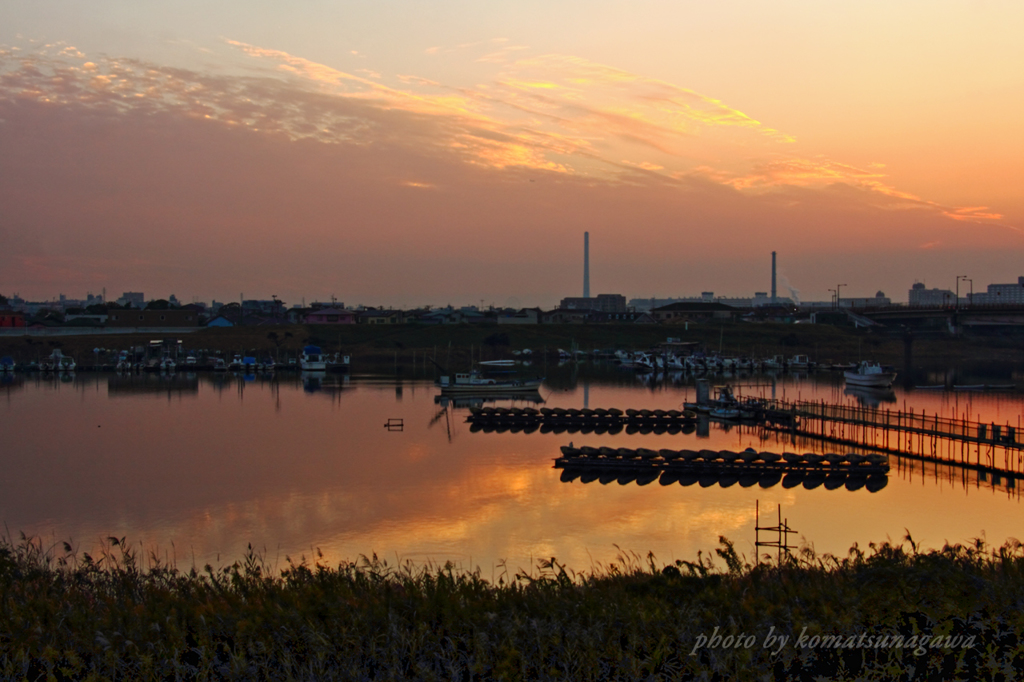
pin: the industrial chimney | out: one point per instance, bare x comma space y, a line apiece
774, 300
586, 265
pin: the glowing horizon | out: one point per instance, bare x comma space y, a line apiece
426, 174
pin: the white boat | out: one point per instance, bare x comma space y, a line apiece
336, 362
58, 362
236, 364
219, 365
871, 375
675, 363
799, 362
640, 361
312, 359
476, 383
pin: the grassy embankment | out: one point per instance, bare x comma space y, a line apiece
402, 342
69, 616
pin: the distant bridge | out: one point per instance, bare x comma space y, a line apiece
952, 318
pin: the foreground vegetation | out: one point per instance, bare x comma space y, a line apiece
863, 616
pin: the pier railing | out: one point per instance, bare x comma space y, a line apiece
898, 420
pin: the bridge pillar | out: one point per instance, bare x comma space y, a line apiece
908, 352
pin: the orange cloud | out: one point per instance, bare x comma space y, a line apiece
551, 113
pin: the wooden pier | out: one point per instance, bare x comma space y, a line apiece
989, 447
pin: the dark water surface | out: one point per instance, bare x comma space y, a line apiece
195, 468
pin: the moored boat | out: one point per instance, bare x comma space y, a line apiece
476, 383
312, 359
871, 375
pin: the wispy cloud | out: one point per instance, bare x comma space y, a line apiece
552, 113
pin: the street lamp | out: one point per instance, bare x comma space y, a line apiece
838, 288
970, 297
958, 278
833, 298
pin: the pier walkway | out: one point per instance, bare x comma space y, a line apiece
993, 447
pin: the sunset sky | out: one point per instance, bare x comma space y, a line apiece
412, 153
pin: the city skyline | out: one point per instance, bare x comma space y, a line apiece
406, 155
917, 294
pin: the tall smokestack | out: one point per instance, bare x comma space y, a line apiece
586, 265
774, 300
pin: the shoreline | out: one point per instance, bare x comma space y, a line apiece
460, 343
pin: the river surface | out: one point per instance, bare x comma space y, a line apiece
195, 468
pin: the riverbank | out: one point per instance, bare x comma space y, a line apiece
890, 612
459, 344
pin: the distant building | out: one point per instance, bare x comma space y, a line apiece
629, 317
152, 318
1001, 294
11, 318
87, 319
605, 303
524, 316
759, 299
331, 316
567, 315
696, 311
381, 317
919, 296
272, 308
879, 300
135, 299
220, 321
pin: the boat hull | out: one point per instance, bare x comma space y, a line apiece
496, 388
883, 380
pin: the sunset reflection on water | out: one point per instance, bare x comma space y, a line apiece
195, 469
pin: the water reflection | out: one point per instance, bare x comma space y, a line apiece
322, 382
870, 397
268, 461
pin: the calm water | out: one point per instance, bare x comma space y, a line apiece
196, 468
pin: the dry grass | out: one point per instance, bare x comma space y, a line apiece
71, 616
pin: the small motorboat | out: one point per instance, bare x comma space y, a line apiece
870, 375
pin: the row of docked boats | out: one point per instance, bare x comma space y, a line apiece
56, 363
831, 480
573, 415
698, 362
749, 456
723, 468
